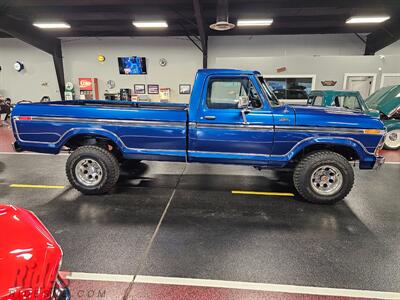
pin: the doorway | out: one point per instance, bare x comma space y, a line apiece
389, 79
364, 83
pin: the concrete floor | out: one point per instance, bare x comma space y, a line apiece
209, 233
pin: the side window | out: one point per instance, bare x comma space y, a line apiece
350, 102
224, 93
317, 101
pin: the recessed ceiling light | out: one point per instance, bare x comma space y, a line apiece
52, 25
153, 24
262, 22
366, 20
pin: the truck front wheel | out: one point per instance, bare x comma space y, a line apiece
92, 170
323, 177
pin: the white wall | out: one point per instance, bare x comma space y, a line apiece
327, 56
36, 80
393, 49
324, 67
284, 45
80, 60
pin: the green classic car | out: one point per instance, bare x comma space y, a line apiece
383, 104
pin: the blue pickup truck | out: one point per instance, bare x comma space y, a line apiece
233, 118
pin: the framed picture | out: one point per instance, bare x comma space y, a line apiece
153, 89
139, 89
184, 89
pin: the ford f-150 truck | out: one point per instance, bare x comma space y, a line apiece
232, 118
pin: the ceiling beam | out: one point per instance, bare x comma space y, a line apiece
202, 30
33, 36
384, 36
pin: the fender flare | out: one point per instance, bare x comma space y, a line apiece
100, 132
351, 143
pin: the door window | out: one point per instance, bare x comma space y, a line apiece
224, 93
349, 102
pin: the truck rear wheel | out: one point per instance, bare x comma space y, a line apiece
323, 177
92, 170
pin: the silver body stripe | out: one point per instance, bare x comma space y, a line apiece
281, 128
226, 126
236, 126
283, 155
97, 129
320, 129
108, 121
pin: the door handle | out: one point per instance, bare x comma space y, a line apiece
210, 117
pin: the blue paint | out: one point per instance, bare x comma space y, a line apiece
177, 132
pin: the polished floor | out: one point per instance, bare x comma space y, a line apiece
171, 220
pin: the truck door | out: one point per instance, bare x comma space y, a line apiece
220, 134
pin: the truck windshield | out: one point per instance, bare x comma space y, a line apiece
271, 97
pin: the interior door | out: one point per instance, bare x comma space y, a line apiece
363, 84
220, 133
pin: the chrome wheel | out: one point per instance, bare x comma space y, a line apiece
392, 139
326, 180
88, 172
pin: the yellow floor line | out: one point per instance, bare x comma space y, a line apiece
36, 186
263, 193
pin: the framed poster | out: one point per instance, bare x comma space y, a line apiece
184, 89
139, 89
153, 89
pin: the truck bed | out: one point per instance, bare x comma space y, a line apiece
140, 129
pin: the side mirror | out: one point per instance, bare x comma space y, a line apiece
243, 102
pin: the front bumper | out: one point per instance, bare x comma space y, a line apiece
380, 160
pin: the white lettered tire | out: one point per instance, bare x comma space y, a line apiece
392, 140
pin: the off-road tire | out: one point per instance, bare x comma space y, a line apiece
305, 168
104, 158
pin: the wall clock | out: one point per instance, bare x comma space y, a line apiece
163, 62
110, 84
18, 66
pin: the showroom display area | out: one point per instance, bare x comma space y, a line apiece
199, 149
332, 56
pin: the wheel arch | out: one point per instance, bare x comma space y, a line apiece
82, 137
347, 147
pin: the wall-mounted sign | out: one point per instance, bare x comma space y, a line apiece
328, 83
153, 89
85, 84
281, 69
165, 94
139, 89
184, 89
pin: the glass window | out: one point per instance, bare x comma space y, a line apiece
349, 102
224, 93
317, 101
290, 88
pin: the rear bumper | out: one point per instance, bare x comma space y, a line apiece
380, 160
